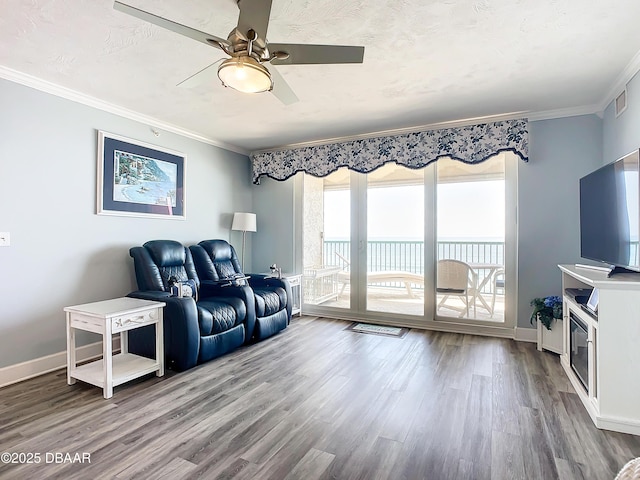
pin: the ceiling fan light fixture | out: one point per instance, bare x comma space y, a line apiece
245, 74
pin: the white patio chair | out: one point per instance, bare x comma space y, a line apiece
631, 471
456, 279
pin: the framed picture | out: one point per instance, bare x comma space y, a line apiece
138, 179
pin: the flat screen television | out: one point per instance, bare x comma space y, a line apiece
610, 214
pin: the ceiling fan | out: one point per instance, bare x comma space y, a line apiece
249, 51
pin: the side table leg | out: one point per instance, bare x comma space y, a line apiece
124, 342
107, 360
71, 350
160, 343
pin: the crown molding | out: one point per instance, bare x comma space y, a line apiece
566, 112
74, 96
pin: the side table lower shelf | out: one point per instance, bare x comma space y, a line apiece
126, 367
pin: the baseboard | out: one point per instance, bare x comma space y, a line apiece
622, 425
526, 334
465, 329
32, 368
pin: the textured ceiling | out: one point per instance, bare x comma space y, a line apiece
425, 61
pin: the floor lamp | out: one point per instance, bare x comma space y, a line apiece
244, 222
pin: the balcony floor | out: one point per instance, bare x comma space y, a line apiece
396, 300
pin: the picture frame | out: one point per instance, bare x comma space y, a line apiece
136, 179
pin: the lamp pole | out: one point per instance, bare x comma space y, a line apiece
244, 236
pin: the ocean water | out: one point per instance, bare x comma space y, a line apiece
148, 193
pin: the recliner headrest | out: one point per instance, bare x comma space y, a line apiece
166, 253
218, 250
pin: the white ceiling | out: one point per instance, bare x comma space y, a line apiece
425, 61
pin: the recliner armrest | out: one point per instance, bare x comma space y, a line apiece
262, 280
151, 295
266, 280
210, 288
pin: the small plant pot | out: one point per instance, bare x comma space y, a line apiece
550, 340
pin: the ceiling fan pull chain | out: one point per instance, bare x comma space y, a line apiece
251, 35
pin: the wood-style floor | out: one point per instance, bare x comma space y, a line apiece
320, 402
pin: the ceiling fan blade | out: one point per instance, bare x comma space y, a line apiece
281, 88
205, 75
203, 37
254, 15
314, 54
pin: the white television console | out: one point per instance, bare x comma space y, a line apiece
605, 349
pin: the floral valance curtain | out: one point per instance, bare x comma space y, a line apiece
471, 144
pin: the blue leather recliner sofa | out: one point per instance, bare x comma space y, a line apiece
194, 331
219, 319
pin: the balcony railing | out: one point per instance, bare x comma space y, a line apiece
408, 256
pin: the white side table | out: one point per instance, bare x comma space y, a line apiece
106, 318
295, 280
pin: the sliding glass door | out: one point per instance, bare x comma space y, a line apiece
471, 240
395, 240
424, 245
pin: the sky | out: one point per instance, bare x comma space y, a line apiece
470, 210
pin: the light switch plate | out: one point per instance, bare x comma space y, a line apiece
5, 239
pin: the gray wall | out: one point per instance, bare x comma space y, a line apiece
622, 134
560, 152
61, 252
274, 242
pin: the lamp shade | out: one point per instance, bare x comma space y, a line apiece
245, 222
